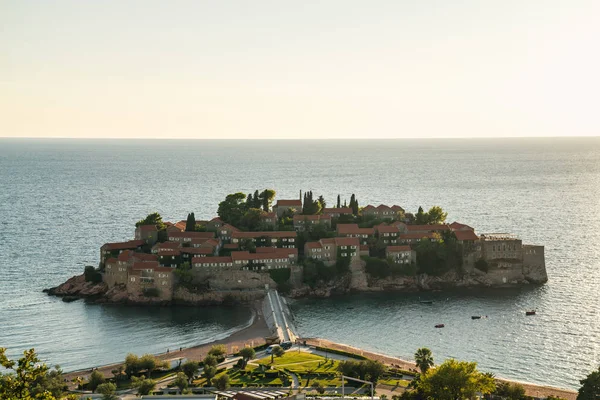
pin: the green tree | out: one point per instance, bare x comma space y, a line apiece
420, 217
436, 215
190, 368
277, 351
132, 365
247, 354
322, 202
52, 382
339, 203
210, 360
252, 219
152, 219
118, 373
144, 386
590, 387
181, 381
221, 382
232, 209
424, 359
17, 383
209, 373
218, 350
149, 363
107, 390
96, 379
455, 380
190, 224
510, 391
266, 198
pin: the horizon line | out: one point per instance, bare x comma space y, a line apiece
297, 139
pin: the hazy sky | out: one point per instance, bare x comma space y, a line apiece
302, 69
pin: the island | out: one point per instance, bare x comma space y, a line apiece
302, 248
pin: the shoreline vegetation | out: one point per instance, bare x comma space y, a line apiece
254, 335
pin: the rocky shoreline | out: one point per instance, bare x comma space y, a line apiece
358, 281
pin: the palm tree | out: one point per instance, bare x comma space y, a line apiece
424, 359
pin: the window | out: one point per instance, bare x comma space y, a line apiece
344, 254
133, 279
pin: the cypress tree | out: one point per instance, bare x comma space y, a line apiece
257, 200
249, 201
339, 202
190, 223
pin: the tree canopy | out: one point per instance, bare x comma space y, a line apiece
590, 386
435, 215
190, 223
455, 380
23, 378
152, 219
424, 359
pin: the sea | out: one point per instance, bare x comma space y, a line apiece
61, 199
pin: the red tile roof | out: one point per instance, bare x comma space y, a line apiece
169, 252
427, 228
457, 225
271, 234
345, 229
368, 207
384, 207
229, 228
132, 244
193, 235
240, 255
396, 249
347, 242
112, 260
364, 247
181, 225
397, 208
144, 257
144, 265
341, 210
466, 235
167, 245
289, 203
230, 246
216, 219
266, 249
416, 235
386, 229
197, 250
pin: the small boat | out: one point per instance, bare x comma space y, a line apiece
475, 316
439, 325
426, 301
532, 312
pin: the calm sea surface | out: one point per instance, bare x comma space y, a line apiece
61, 199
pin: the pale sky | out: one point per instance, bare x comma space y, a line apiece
303, 69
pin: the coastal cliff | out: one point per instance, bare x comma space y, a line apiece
235, 287
498, 276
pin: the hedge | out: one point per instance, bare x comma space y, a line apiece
342, 353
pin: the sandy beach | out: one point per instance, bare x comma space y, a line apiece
253, 335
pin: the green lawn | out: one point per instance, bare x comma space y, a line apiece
301, 362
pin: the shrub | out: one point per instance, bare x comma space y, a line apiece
91, 275
151, 292
482, 265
